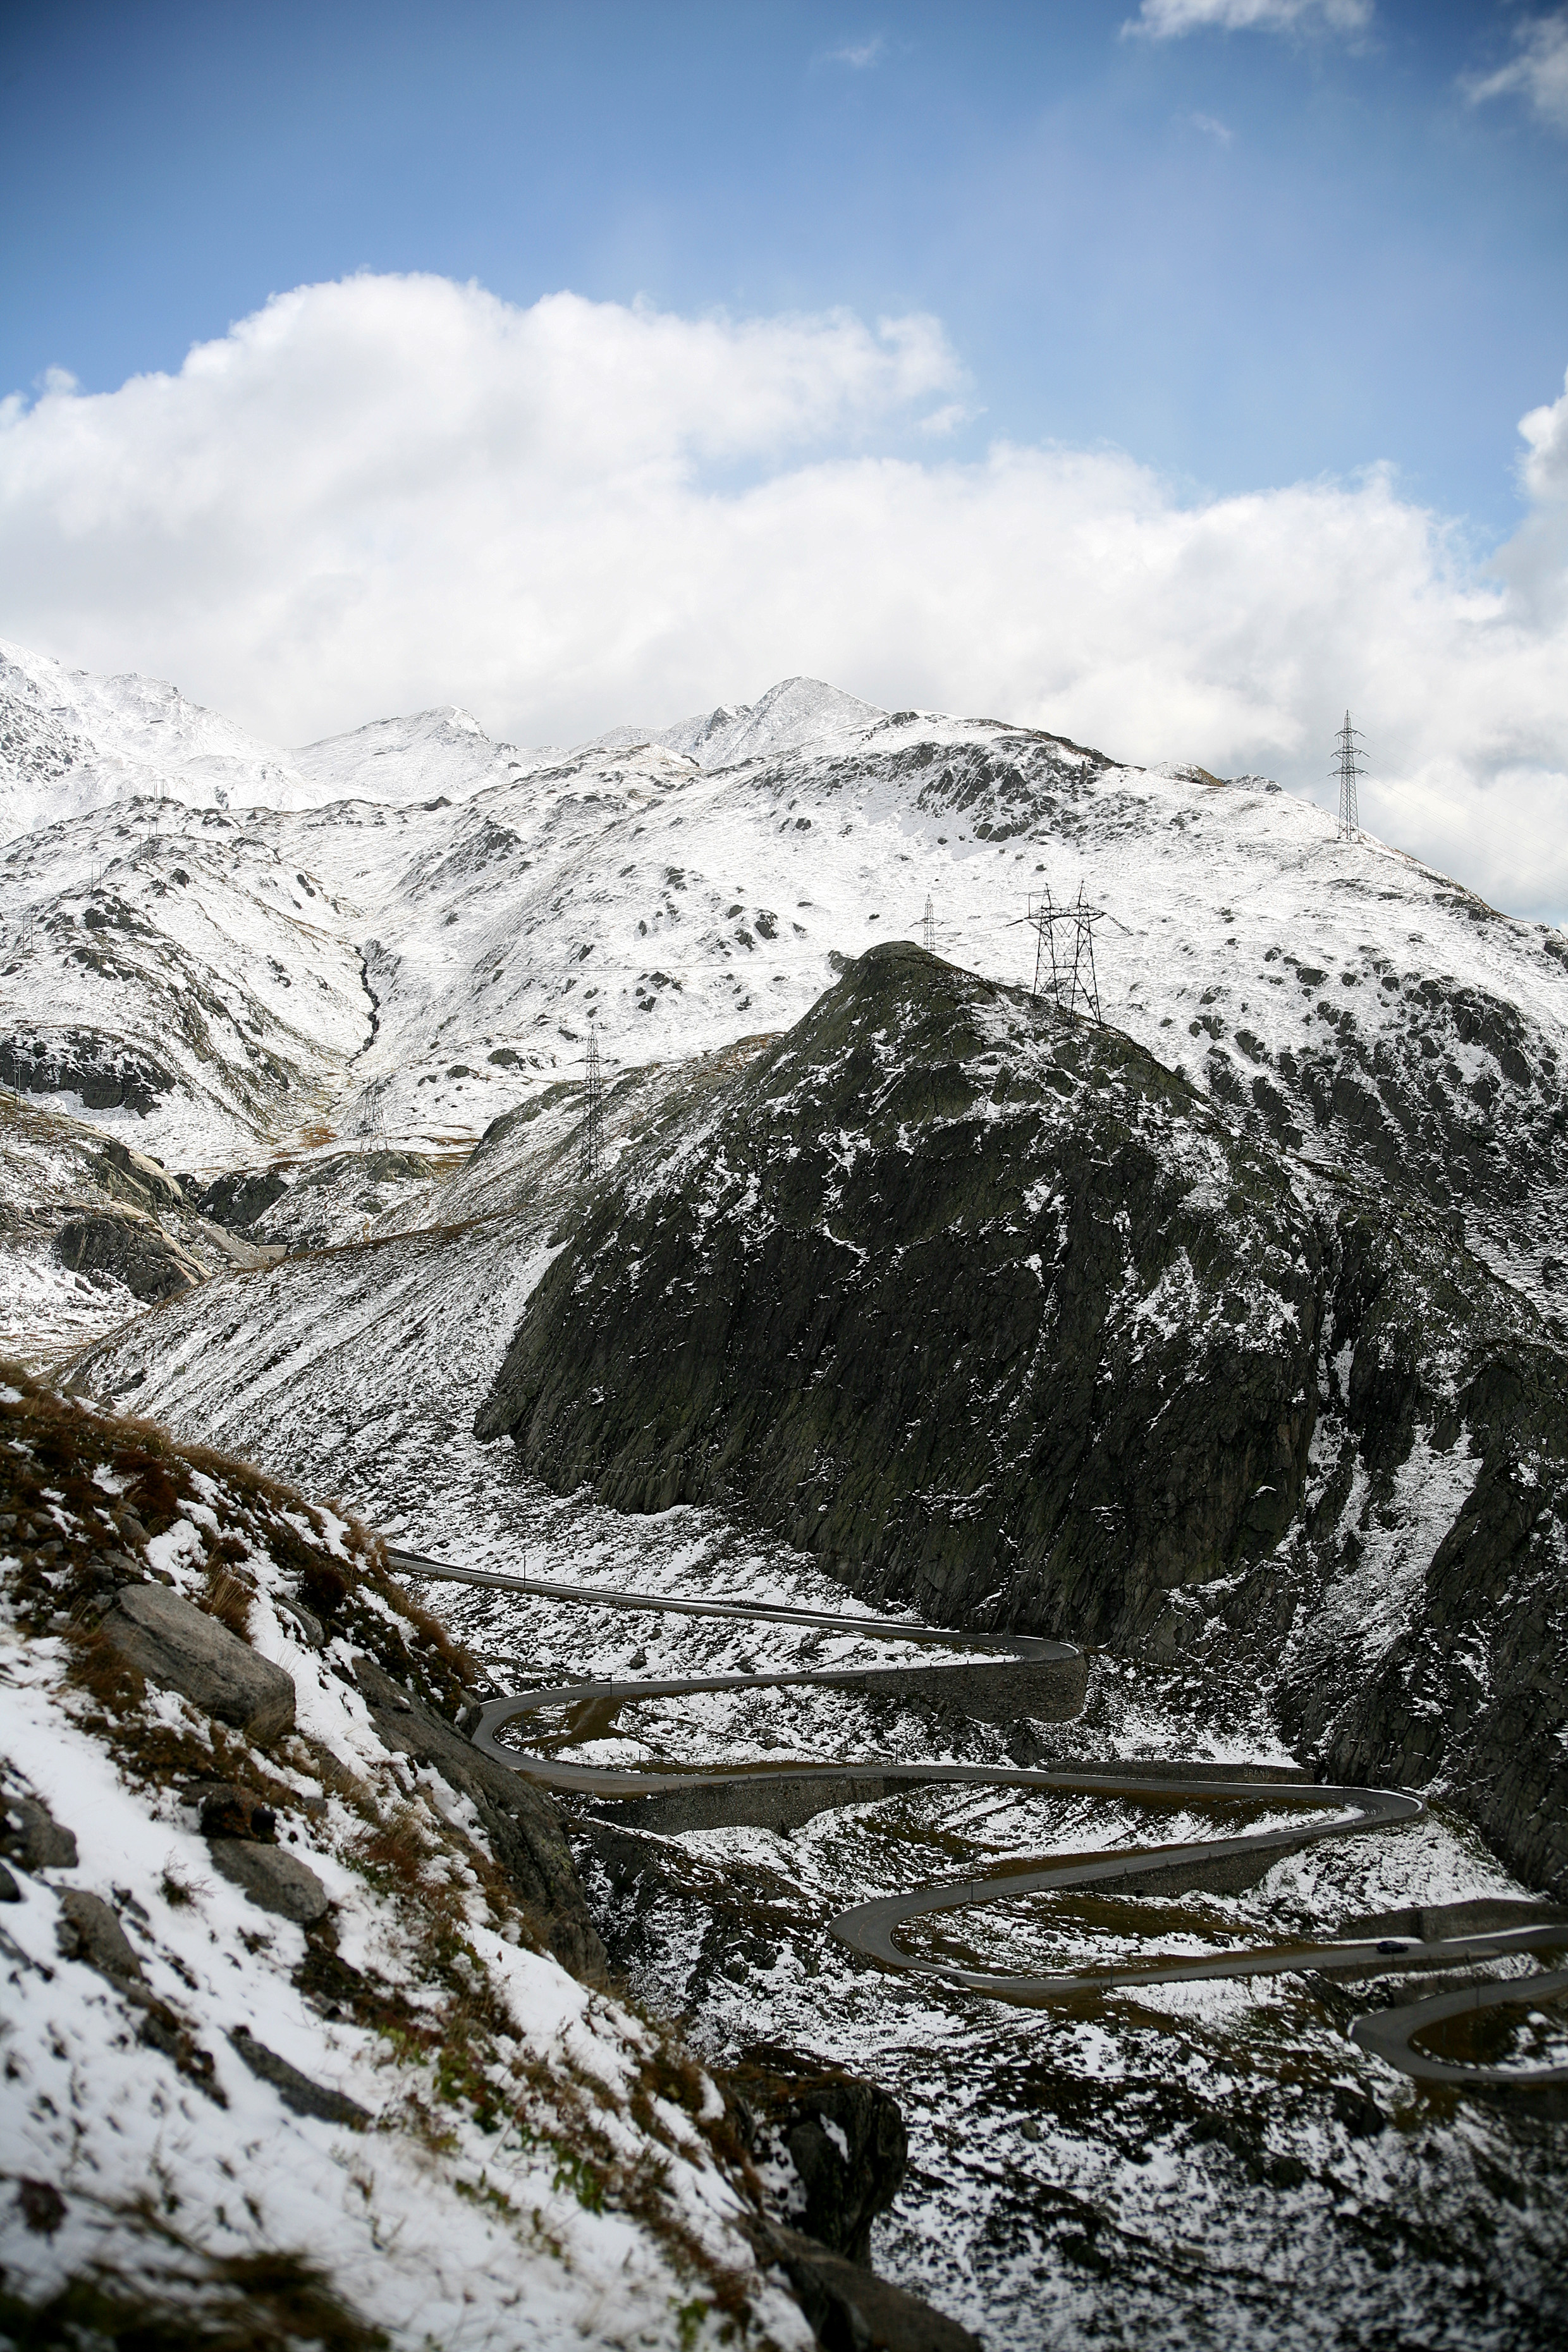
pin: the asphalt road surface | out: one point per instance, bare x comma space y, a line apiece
773, 1793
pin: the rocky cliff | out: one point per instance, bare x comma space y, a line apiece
997, 1315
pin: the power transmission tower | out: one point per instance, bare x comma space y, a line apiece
1067, 969
1347, 766
928, 927
591, 1151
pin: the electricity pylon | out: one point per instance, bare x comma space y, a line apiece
1068, 974
1349, 765
591, 1150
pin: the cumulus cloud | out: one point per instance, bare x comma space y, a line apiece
1539, 74
1166, 20
391, 492
1545, 464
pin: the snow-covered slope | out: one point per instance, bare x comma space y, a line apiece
70, 742
799, 714
288, 2056
689, 887
199, 997
430, 755
1347, 1001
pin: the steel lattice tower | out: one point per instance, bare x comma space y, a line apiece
591, 1151
928, 927
1067, 973
1348, 766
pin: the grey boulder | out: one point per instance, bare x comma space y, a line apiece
88, 1930
852, 2310
174, 1643
274, 1879
30, 1834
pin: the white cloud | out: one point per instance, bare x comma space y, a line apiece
858, 54
1213, 127
1166, 20
1539, 74
391, 492
1545, 467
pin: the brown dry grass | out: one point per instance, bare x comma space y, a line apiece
228, 1599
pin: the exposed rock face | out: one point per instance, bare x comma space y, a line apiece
131, 1176
522, 1826
997, 1316
238, 1199
105, 1072
844, 2139
1413, 1624
131, 1245
980, 1302
173, 1641
851, 2310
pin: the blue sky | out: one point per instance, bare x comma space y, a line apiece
1170, 373
1248, 256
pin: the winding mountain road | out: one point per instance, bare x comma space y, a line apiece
774, 1794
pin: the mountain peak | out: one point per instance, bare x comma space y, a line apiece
798, 714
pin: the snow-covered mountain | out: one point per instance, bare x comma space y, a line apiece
431, 755
799, 714
365, 993
70, 742
412, 934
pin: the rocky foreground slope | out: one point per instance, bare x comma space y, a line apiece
306, 2038
990, 1311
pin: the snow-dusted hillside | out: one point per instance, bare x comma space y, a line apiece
367, 999
70, 742
695, 885
431, 755
197, 997
287, 2044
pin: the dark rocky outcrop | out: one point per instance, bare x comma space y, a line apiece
997, 1315
172, 1641
521, 1825
238, 1197
102, 1071
130, 1245
844, 2138
980, 1303
852, 2310
228, 1810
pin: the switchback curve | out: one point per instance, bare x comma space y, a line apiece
772, 1792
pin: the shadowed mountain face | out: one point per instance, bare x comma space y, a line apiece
999, 1316
978, 1300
